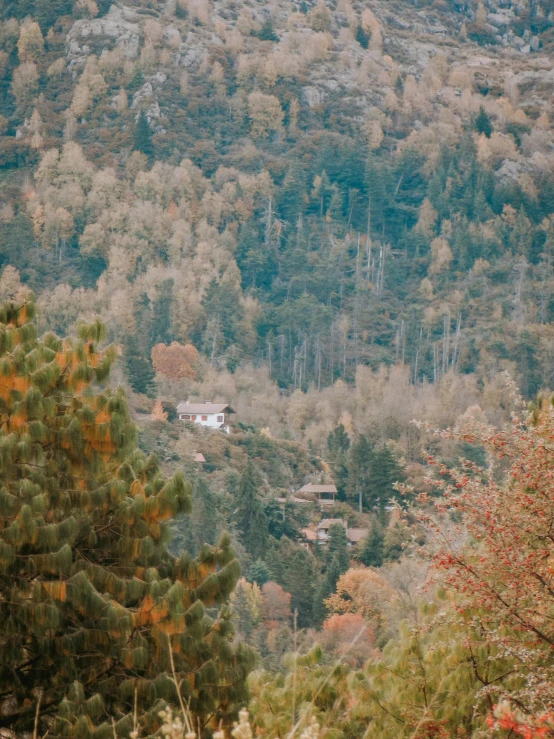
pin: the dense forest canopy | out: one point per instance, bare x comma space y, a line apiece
336, 216
307, 189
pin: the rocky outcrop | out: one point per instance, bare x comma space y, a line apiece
120, 24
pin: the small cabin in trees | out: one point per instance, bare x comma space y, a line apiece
211, 415
324, 526
353, 536
323, 494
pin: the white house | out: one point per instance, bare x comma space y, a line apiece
212, 415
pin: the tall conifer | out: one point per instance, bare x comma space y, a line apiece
142, 138
90, 599
250, 517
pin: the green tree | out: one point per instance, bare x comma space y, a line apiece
250, 518
483, 123
338, 444
247, 607
91, 600
297, 570
292, 193
360, 463
362, 37
284, 521
259, 572
429, 681
161, 311
337, 562
224, 313
139, 368
142, 137
373, 547
201, 526
385, 471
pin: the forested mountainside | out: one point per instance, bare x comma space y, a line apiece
308, 187
334, 220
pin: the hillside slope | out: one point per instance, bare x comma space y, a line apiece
304, 186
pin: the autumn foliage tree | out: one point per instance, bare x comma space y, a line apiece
176, 361
91, 602
503, 573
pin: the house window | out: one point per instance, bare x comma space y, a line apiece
204, 418
187, 418
193, 418
220, 419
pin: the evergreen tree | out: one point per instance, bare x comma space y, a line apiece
338, 562
297, 571
161, 310
385, 472
285, 522
338, 444
360, 462
373, 546
246, 605
142, 137
337, 550
201, 526
483, 123
259, 573
362, 37
266, 32
139, 368
250, 517
224, 313
292, 193
91, 600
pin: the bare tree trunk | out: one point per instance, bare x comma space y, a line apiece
269, 357
368, 239
214, 343
457, 341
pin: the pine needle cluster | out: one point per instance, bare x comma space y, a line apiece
92, 605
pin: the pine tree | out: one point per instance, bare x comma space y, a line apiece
360, 461
362, 37
259, 573
139, 368
297, 571
385, 472
338, 445
483, 123
250, 517
373, 546
201, 526
91, 600
338, 562
142, 138
246, 606
161, 310
292, 193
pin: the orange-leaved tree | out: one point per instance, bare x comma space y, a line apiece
497, 551
91, 602
176, 361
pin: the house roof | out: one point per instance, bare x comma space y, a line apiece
199, 457
309, 534
326, 523
356, 535
204, 408
311, 488
293, 499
